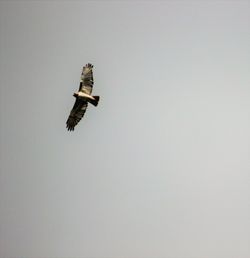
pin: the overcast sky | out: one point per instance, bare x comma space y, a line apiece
161, 168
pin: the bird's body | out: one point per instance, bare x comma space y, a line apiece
83, 96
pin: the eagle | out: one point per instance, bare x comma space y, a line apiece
83, 96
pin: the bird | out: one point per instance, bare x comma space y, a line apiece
83, 97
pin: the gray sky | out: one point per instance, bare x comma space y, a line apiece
161, 168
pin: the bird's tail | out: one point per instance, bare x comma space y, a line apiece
94, 101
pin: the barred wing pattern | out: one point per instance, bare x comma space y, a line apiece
87, 80
80, 106
76, 113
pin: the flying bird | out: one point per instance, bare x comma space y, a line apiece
83, 96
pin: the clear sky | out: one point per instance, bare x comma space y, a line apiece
161, 168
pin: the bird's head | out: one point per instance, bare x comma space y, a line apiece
75, 94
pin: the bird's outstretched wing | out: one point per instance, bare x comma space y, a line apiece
76, 113
87, 81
